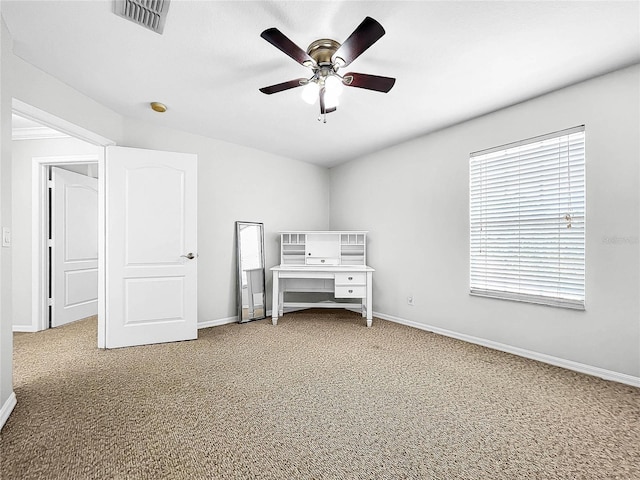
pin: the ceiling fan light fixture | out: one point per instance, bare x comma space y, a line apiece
310, 92
333, 84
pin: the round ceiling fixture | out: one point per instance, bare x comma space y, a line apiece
158, 107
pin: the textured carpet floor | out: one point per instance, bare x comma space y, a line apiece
320, 396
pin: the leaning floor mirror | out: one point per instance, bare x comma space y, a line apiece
251, 279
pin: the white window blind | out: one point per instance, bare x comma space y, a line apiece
527, 220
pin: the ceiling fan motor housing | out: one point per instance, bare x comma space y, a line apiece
322, 50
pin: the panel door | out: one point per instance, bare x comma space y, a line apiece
74, 251
151, 244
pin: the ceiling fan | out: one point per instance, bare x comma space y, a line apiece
325, 57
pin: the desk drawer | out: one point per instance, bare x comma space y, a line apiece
351, 278
322, 261
350, 291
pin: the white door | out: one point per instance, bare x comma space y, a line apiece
151, 245
74, 252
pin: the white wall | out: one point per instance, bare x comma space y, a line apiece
7, 397
413, 198
21, 173
239, 184
39, 89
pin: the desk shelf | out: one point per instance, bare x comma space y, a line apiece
328, 248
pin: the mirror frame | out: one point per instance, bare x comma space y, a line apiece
239, 227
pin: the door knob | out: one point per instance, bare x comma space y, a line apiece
189, 255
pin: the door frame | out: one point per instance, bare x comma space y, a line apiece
39, 181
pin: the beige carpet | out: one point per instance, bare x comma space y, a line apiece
320, 396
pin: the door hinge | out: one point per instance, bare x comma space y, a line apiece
50, 302
50, 243
49, 183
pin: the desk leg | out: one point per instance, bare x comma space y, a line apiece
369, 299
275, 296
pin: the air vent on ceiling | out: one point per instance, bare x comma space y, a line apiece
148, 13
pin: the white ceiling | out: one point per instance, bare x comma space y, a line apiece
453, 61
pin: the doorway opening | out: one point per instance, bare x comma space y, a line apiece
71, 150
72, 242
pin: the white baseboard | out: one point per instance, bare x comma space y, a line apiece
541, 357
24, 328
7, 408
218, 322
223, 321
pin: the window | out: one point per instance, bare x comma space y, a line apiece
527, 220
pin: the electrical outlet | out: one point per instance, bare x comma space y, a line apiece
6, 237
410, 300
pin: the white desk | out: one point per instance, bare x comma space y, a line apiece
349, 282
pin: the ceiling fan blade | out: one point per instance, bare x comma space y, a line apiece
370, 82
279, 40
365, 35
279, 87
